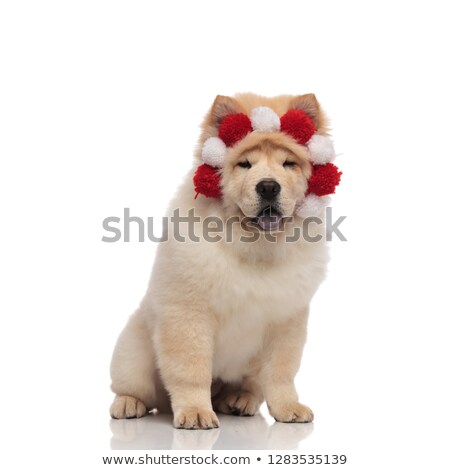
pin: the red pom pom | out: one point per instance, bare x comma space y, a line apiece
234, 127
324, 179
298, 125
206, 181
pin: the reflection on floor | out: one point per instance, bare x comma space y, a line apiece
156, 432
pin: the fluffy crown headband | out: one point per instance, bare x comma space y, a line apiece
325, 175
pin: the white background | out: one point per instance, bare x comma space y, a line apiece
100, 103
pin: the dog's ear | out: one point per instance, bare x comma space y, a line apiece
222, 107
309, 105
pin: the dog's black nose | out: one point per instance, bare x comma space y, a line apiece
268, 189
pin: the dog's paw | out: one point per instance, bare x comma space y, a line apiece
124, 406
238, 403
195, 418
292, 413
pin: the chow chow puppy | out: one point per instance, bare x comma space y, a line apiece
223, 323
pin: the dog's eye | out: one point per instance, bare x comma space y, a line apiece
245, 164
288, 163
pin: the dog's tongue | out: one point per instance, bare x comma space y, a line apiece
269, 219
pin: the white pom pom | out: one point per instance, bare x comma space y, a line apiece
312, 206
265, 119
214, 151
321, 149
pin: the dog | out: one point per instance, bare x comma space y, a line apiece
223, 323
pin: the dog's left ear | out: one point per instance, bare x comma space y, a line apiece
309, 105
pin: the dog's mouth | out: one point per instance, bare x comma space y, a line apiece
268, 220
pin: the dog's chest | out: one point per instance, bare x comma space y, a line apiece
238, 339
244, 316
248, 300
262, 294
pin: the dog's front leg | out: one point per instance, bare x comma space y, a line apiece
185, 350
281, 361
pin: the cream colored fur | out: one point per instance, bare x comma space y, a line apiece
223, 325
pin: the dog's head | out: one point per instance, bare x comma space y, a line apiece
264, 175
263, 179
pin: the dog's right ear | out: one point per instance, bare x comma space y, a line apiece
222, 107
